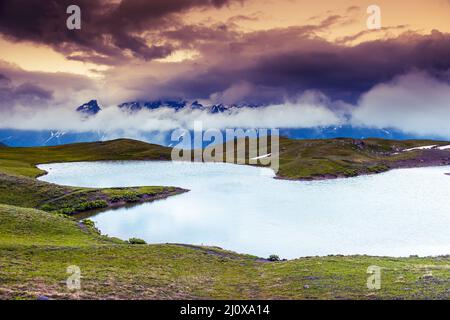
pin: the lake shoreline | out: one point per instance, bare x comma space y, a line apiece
427, 158
110, 204
146, 198
197, 218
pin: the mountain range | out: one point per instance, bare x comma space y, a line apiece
24, 138
92, 107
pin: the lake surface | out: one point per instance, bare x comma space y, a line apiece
241, 208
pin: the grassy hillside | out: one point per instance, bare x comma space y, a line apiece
309, 159
299, 159
334, 158
22, 161
18, 169
30, 227
32, 193
37, 247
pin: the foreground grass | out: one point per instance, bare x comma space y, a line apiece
37, 247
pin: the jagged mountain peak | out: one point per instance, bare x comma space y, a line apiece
89, 108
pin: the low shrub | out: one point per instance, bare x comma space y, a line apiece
378, 169
88, 223
46, 207
66, 211
274, 258
91, 205
127, 197
136, 241
350, 173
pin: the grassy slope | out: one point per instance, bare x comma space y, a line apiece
32, 193
299, 159
36, 248
22, 161
303, 159
328, 158
18, 186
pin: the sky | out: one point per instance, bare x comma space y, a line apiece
310, 63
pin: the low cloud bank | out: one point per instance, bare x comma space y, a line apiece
308, 111
416, 103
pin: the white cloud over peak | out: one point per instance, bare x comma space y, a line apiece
414, 103
304, 113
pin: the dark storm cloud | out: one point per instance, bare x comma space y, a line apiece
4, 80
10, 91
24, 94
255, 67
288, 62
32, 89
108, 28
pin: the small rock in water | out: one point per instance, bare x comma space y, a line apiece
43, 298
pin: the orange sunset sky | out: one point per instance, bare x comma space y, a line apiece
255, 15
